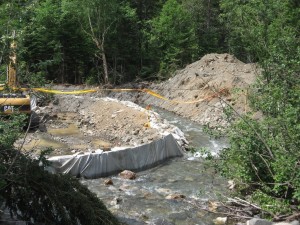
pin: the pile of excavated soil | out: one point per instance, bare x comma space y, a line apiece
212, 83
72, 124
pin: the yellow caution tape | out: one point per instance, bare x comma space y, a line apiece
155, 94
63, 92
169, 100
150, 92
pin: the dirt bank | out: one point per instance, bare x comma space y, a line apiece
203, 83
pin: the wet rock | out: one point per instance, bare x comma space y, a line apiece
163, 190
149, 195
285, 223
144, 217
175, 196
189, 179
130, 221
231, 184
116, 201
178, 216
108, 182
295, 222
256, 221
161, 221
127, 174
125, 187
220, 220
106, 149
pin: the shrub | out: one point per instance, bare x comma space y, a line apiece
33, 194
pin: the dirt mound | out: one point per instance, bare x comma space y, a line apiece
203, 83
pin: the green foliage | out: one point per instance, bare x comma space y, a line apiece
33, 194
10, 129
264, 154
271, 205
137, 39
91, 80
124, 45
173, 36
209, 30
206, 153
2, 74
213, 131
255, 27
53, 45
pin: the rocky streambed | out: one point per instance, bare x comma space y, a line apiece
178, 191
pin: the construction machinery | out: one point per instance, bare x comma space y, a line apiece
12, 98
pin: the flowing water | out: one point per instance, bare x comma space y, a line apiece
193, 132
145, 200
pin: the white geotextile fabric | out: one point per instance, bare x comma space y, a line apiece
99, 164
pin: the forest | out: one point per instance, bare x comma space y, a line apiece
71, 41
114, 42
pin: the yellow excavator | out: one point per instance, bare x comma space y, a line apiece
12, 98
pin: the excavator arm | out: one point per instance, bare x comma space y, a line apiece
12, 72
11, 100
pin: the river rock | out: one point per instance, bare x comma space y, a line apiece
116, 201
295, 222
178, 216
128, 188
131, 221
149, 195
161, 221
175, 196
163, 190
257, 221
220, 220
108, 182
231, 184
127, 174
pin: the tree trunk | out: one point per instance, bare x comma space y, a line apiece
105, 70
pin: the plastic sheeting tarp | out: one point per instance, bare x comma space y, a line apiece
95, 165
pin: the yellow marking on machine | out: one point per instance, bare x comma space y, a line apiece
10, 104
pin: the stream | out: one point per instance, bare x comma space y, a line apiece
145, 200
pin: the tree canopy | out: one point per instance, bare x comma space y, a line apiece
72, 41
